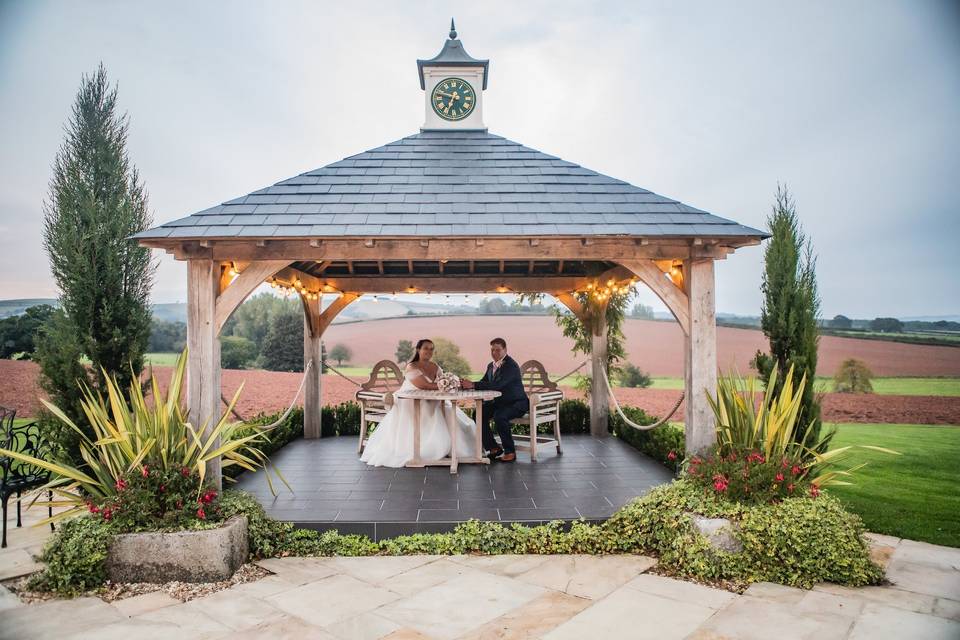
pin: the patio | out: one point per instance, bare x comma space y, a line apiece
333, 489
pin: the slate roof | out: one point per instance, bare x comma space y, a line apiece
451, 183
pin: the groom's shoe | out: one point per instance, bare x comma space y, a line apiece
507, 457
495, 453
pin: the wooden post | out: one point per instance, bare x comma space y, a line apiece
203, 361
700, 354
313, 387
599, 396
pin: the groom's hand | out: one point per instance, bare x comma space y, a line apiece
466, 384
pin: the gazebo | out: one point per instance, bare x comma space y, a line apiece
452, 208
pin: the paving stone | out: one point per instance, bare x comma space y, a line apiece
407, 634
941, 581
918, 602
759, 619
376, 569
140, 629
933, 555
775, 592
682, 591
332, 599
57, 618
881, 623
461, 604
366, 626
188, 620
8, 600
426, 576
533, 619
629, 613
587, 576
144, 603
881, 539
946, 608
264, 587
505, 565
848, 606
287, 628
298, 571
237, 611
17, 562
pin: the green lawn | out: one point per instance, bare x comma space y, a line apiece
915, 495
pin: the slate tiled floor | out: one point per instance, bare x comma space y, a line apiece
333, 489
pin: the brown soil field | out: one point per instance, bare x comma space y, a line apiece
656, 347
268, 391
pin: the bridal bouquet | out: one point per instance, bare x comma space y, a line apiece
448, 382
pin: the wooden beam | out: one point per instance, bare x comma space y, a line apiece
312, 351
570, 301
614, 249
251, 277
521, 283
599, 394
700, 353
203, 354
673, 297
331, 312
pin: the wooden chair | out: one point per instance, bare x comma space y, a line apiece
545, 400
375, 396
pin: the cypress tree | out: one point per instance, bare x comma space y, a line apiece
96, 201
791, 308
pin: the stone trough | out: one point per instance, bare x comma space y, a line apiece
187, 556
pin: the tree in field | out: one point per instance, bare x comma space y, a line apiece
791, 306
841, 322
96, 201
642, 311
632, 376
236, 352
853, 376
447, 354
886, 325
252, 319
167, 336
340, 352
404, 351
18, 333
282, 348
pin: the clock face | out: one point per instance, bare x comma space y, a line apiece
453, 99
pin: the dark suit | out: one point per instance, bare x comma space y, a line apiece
512, 403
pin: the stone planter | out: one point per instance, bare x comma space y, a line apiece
719, 532
187, 556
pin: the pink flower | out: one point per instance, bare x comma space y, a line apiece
779, 477
121, 484
795, 470
185, 472
145, 471
201, 514
790, 487
720, 483
671, 456
814, 490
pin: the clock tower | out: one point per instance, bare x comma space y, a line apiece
453, 84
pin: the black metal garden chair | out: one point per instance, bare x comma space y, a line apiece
17, 476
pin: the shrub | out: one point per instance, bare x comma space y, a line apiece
75, 557
236, 352
632, 376
853, 376
127, 438
664, 444
750, 477
574, 416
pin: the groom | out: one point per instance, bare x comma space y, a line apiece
503, 375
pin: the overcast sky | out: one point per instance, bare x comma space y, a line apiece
854, 105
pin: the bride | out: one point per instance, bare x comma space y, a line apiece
391, 444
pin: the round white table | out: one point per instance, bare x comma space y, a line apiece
450, 414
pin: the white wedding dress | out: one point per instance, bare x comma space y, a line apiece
391, 444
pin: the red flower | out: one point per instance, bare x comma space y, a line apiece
790, 487
779, 477
93, 508
121, 484
179, 504
720, 483
671, 456
814, 490
201, 514
185, 472
107, 513
163, 488
784, 464
795, 470
696, 460
145, 471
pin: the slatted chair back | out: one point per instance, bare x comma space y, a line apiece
545, 397
375, 396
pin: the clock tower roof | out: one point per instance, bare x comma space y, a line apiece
453, 55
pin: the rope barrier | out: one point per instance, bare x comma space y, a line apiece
344, 376
275, 423
582, 365
641, 427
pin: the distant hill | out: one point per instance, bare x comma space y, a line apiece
16, 307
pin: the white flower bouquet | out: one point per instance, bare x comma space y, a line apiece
448, 382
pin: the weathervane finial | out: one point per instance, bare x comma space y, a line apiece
453, 30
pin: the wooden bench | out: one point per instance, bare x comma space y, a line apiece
375, 396
545, 399
16, 476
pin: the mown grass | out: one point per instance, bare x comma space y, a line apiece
915, 495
